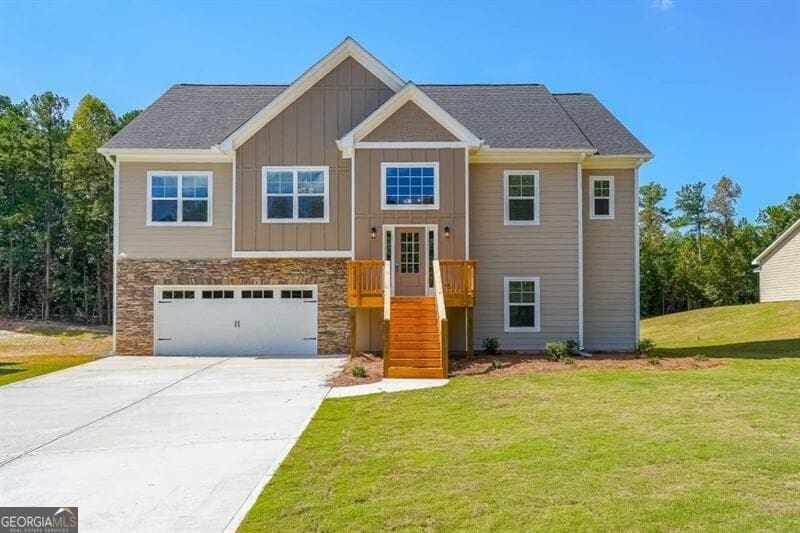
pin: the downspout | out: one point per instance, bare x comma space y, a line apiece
580, 249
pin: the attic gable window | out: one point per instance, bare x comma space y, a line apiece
179, 198
601, 204
295, 194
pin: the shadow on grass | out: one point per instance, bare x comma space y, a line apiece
776, 349
7, 371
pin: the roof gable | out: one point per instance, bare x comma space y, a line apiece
409, 93
777, 244
348, 49
410, 123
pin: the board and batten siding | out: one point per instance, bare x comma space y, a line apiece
369, 214
779, 278
305, 134
548, 250
139, 241
410, 123
608, 267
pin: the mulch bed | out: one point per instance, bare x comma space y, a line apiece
516, 363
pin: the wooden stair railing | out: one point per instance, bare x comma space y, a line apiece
387, 315
441, 316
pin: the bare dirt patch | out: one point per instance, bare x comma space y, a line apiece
522, 363
512, 364
33, 337
371, 363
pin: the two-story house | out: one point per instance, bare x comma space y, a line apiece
354, 210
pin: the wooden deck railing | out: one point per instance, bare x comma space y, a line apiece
441, 315
365, 283
458, 283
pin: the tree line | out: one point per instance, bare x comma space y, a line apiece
699, 252
56, 222
56, 208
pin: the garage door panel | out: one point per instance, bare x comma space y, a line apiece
238, 326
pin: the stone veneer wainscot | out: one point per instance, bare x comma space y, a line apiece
136, 278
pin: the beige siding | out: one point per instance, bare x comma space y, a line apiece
410, 123
779, 279
451, 210
369, 214
548, 250
138, 240
608, 272
305, 133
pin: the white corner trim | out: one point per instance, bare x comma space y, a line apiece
636, 280
537, 193
611, 198
414, 207
537, 304
294, 254
180, 174
348, 48
295, 195
353, 207
466, 204
233, 206
115, 247
580, 254
409, 92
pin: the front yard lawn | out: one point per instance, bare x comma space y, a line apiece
32, 348
648, 448
707, 449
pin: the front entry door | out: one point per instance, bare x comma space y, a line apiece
409, 262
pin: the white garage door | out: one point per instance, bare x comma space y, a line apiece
236, 320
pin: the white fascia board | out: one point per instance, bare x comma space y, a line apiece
776, 243
409, 92
528, 155
170, 155
348, 48
616, 161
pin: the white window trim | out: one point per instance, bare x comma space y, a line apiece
537, 304
611, 201
295, 195
424, 207
537, 193
179, 174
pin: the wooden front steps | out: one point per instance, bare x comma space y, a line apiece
415, 349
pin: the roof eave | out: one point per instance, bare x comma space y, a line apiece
777, 243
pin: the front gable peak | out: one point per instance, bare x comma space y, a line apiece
349, 48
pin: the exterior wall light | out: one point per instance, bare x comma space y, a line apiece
373, 233
447, 232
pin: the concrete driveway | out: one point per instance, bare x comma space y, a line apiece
155, 443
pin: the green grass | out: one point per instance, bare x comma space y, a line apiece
32, 348
714, 449
16, 368
755, 331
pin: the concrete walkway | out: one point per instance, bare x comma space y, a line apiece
155, 443
386, 385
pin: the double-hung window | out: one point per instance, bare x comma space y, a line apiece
410, 185
521, 301
179, 198
295, 194
521, 197
601, 204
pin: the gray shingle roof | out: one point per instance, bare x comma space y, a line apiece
602, 128
504, 116
510, 116
194, 116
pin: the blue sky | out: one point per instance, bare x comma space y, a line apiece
713, 88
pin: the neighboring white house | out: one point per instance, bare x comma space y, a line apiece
779, 267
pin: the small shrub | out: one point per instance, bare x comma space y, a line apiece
491, 345
556, 350
497, 364
359, 371
700, 357
654, 359
568, 360
645, 346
